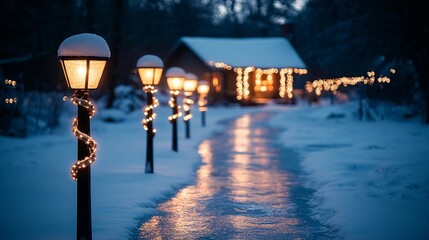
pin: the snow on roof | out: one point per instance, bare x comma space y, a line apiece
84, 45
272, 52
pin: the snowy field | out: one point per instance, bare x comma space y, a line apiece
371, 178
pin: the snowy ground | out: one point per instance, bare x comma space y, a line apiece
371, 178
38, 199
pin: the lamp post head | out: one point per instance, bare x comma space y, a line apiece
175, 78
203, 87
190, 84
83, 58
149, 68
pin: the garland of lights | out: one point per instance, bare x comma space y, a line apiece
289, 83
239, 83
246, 85
90, 142
149, 108
333, 84
187, 103
202, 103
282, 89
173, 104
242, 78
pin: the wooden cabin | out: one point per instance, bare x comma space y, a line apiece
244, 70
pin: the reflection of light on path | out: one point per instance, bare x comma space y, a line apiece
185, 207
240, 192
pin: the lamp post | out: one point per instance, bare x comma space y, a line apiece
83, 58
149, 69
203, 89
175, 78
189, 86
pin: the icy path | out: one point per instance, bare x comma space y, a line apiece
248, 188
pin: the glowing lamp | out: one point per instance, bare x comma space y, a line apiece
149, 68
190, 84
83, 58
175, 78
203, 88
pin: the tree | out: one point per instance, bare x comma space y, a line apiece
351, 37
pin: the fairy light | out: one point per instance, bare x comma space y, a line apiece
221, 65
88, 140
202, 103
173, 104
187, 103
148, 110
239, 83
246, 91
332, 84
282, 89
242, 79
289, 83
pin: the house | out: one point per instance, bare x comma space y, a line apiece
244, 70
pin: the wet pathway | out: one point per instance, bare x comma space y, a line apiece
248, 188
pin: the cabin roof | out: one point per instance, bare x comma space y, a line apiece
273, 52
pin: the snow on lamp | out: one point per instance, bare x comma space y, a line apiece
149, 69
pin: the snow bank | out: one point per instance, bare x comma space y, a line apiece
371, 178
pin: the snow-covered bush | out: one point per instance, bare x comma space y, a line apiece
127, 99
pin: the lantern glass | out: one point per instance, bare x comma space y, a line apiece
77, 75
203, 88
175, 83
190, 85
150, 76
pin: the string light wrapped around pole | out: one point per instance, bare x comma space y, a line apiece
203, 89
175, 78
83, 58
189, 86
149, 69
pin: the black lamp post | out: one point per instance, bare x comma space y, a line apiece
175, 78
189, 86
203, 89
83, 58
149, 69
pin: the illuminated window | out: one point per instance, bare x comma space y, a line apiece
264, 80
217, 82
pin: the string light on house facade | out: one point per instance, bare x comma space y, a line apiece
246, 85
262, 84
221, 65
239, 83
